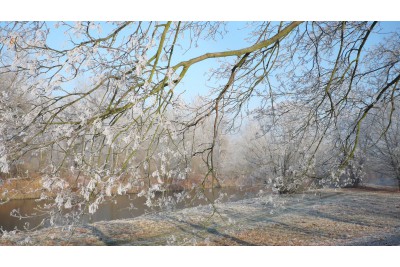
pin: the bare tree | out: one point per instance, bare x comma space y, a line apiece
385, 149
113, 128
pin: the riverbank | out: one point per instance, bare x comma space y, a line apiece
32, 188
323, 217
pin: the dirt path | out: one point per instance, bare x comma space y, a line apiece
329, 217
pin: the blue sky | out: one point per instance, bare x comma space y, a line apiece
196, 82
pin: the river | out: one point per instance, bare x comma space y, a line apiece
121, 207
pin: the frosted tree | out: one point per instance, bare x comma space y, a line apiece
106, 135
384, 152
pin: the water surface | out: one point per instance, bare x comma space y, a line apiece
122, 207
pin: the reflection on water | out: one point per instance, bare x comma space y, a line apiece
122, 207
26, 207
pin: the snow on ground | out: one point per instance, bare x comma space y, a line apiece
325, 217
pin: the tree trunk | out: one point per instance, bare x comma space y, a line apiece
398, 183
